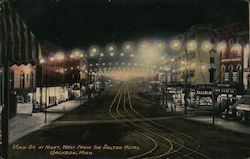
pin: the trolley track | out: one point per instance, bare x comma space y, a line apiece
183, 150
167, 142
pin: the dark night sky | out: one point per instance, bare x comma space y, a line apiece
81, 23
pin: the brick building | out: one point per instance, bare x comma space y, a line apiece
233, 51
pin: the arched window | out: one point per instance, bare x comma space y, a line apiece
22, 80
239, 73
230, 75
223, 69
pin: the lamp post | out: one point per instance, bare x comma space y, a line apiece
93, 52
78, 54
41, 62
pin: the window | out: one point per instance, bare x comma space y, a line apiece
223, 69
27, 78
239, 73
22, 80
31, 80
192, 73
230, 69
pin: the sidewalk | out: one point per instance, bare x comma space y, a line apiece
24, 124
232, 125
236, 126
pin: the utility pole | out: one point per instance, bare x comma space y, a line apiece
5, 112
186, 78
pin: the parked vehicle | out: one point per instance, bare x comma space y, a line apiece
239, 110
243, 108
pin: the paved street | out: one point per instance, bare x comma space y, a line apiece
121, 124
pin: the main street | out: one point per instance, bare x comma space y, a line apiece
121, 124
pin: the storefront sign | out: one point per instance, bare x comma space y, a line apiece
231, 60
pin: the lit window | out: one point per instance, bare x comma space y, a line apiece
22, 80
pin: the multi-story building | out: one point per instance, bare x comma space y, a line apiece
192, 62
19, 53
59, 69
218, 55
23, 81
234, 55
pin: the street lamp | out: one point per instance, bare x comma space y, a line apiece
191, 45
203, 67
127, 47
221, 47
101, 54
79, 54
111, 48
206, 46
52, 59
175, 45
41, 61
94, 50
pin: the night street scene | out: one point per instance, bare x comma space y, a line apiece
124, 79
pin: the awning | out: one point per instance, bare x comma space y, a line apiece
17, 43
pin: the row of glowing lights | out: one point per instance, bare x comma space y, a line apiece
123, 64
205, 46
105, 68
100, 70
128, 48
108, 70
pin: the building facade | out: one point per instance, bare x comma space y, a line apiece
233, 49
194, 61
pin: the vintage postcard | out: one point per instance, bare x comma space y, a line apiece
124, 79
